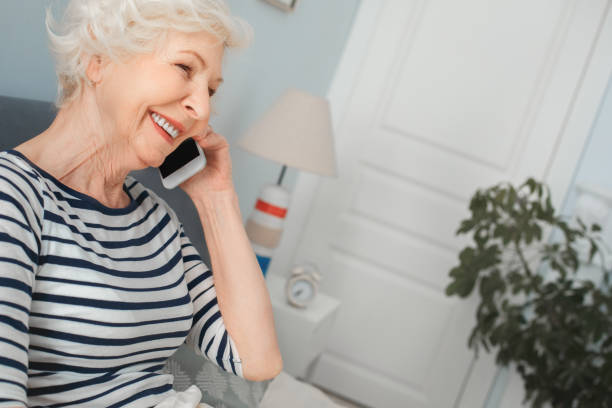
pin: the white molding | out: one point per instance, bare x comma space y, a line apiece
481, 379
602, 193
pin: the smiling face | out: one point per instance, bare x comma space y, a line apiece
150, 104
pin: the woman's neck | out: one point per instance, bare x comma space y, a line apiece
78, 151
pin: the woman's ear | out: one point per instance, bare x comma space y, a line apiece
95, 69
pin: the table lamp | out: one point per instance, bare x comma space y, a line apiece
297, 132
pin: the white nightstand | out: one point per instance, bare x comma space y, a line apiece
302, 333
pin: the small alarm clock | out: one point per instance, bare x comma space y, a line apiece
302, 285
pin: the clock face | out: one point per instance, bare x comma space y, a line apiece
302, 290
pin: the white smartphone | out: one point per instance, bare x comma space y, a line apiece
185, 161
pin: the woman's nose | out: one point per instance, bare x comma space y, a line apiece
197, 104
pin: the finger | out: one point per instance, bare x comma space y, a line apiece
203, 135
212, 141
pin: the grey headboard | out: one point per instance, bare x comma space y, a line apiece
22, 119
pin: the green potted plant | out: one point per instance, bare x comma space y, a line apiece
538, 309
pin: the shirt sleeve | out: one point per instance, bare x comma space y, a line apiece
21, 207
208, 335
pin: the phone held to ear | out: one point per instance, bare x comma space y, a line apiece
185, 161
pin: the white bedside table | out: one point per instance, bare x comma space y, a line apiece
302, 333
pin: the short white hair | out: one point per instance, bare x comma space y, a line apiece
123, 28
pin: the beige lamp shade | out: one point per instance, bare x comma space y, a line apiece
296, 131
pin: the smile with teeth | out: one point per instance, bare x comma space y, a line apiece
171, 130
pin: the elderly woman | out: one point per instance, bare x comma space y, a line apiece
99, 284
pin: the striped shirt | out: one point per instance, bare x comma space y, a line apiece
93, 300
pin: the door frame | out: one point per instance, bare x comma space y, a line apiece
583, 111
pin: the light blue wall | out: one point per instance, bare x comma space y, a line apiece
26, 66
594, 168
299, 49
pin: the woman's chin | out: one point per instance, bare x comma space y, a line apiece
157, 162
151, 159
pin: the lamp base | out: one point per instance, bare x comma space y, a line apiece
265, 224
264, 257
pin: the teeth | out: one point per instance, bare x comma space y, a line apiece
165, 125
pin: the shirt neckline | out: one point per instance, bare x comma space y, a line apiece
94, 203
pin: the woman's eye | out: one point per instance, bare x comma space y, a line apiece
184, 67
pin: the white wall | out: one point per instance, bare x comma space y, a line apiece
299, 49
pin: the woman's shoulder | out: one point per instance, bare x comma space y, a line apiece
14, 164
139, 192
17, 175
21, 195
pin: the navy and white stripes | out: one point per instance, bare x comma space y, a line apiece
93, 300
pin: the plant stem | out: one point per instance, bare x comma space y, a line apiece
522, 258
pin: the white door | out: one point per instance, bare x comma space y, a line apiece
439, 98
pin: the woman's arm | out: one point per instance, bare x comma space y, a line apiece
20, 234
242, 294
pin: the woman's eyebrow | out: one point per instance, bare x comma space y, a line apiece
201, 61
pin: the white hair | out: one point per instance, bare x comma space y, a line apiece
122, 28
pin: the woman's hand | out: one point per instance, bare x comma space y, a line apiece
217, 174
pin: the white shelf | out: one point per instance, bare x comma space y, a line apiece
315, 312
302, 333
